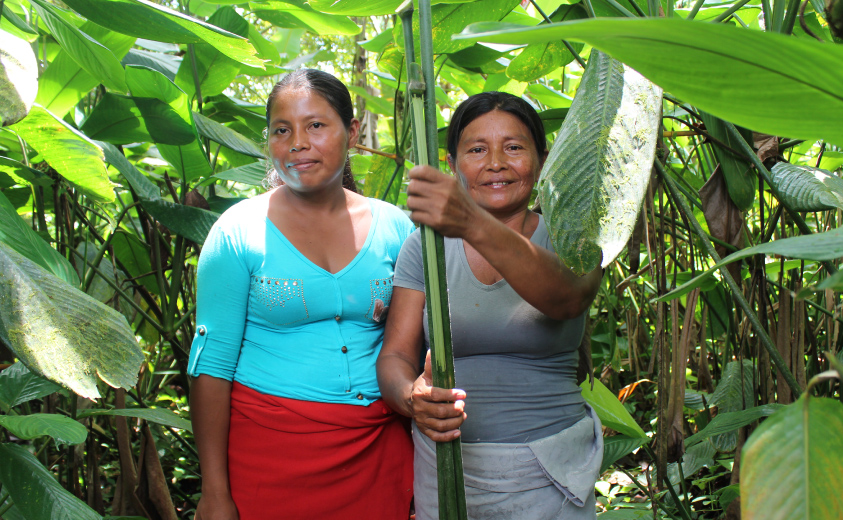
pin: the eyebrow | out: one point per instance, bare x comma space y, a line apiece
308, 117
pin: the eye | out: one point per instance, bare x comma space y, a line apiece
317, 124
476, 149
515, 147
280, 131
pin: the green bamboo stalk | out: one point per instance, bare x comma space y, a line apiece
421, 86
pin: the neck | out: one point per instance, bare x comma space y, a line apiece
328, 200
516, 221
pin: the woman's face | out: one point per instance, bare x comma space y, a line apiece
308, 142
498, 162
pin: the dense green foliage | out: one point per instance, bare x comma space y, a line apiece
717, 381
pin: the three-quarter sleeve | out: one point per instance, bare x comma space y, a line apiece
222, 298
409, 269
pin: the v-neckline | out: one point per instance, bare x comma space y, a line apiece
464, 259
311, 263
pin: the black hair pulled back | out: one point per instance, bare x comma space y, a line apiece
331, 90
485, 102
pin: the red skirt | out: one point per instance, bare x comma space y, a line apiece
290, 459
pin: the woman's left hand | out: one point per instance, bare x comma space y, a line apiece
441, 202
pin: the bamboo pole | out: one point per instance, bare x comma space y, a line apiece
420, 86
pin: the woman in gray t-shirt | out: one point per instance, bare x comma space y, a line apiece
532, 447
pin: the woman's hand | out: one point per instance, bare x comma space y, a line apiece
216, 507
441, 202
438, 412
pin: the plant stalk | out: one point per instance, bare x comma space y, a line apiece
737, 294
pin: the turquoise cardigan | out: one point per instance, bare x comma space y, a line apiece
270, 319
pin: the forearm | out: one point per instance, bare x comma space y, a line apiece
561, 294
210, 411
396, 375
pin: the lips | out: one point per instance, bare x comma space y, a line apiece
497, 184
301, 164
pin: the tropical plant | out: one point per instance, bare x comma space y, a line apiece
128, 126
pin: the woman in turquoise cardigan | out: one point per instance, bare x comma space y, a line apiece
293, 288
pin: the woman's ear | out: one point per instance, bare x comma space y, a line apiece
451, 164
353, 133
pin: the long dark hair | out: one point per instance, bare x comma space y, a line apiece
334, 92
483, 103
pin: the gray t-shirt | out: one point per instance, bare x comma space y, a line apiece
517, 366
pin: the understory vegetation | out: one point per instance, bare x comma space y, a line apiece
714, 199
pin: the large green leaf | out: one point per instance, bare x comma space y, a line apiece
617, 446
356, 7
735, 74
192, 223
791, 465
693, 460
449, 19
166, 64
374, 103
804, 188
297, 14
214, 71
61, 333
63, 430
819, 246
35, 491
146, 19
69, 152
90, 54
610, 410
122, 119
156, 415
593, 182
18, 235
225, 136
726, 422
252, 174
734, 392
538, 59
19, 385
190, 160
377, 179
18, 78
64, 82
21, 174
737, 172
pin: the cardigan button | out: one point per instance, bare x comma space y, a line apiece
337, 318
202, 330
344, 349
360, 396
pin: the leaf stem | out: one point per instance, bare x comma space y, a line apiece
737, 294
567, 44
376, 152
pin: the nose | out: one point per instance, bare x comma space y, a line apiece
299, 141
497, 159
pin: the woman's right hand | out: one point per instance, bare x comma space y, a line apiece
213, 507
438, 412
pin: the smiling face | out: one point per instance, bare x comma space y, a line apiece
308, 141
498, 162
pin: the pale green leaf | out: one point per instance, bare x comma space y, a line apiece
610, 410
225, 136
18, 78
818, 246
144, 188
376, 104
122, 119
90, 54
725, 422
64, 82
791, 465
166, 64
538, 59
70, 153
595, 177
734, 392
804, 188
63, 430
61, 333
356, 7
735, 74
146, 19
18, 235
252, 174
34, 490
19, 385
378, 177
296, 14
156, 415
214, 70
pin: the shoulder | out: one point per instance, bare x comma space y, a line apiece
241, 217
392, 217
541, 236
